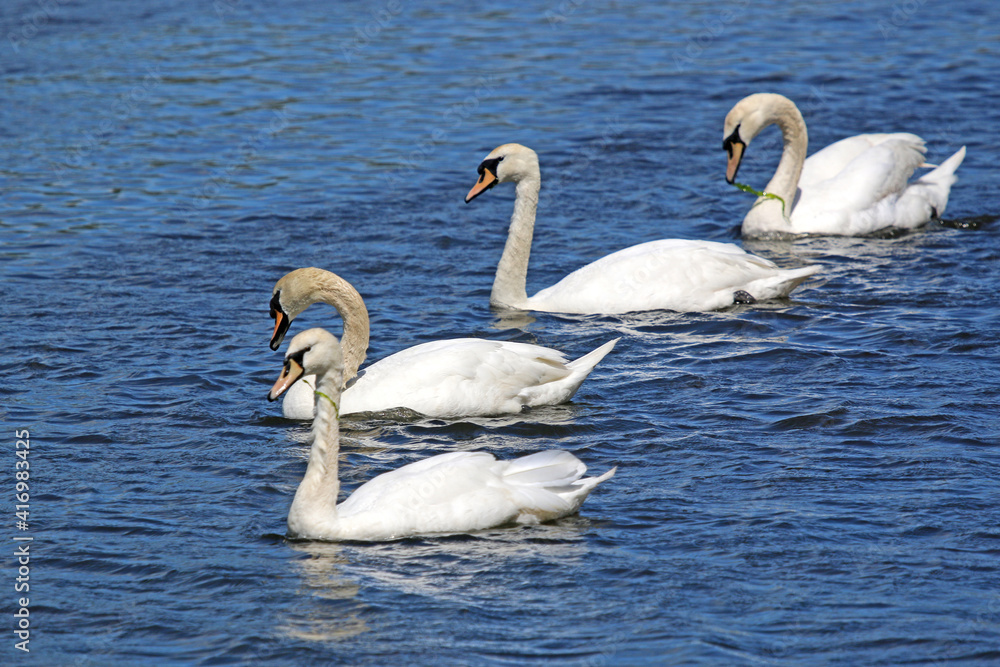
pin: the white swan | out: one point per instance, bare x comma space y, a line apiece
448, 493
853, 187
462, 377
669, 274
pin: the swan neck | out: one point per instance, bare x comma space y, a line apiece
785, 181
512, 271
340, 294
314, 508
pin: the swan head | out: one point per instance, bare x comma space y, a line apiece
746, 120
312, 352
510, 162
291, 295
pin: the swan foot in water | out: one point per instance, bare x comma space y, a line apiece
742, 296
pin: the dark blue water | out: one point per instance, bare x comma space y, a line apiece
812, 481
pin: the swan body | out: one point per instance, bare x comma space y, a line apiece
670, 274
706, 276
853, 187
450, 493
461, 377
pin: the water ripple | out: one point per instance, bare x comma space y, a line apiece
799, 482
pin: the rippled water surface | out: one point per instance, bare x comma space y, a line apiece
810, 481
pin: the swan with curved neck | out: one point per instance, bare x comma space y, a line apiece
459, 377
853, 187
449, 493
670, 274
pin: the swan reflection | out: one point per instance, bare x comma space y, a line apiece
342, 583
329, 609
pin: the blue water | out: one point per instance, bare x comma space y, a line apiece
810, 481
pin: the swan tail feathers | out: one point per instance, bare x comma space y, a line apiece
575, 372
933, 188
549, 485
555, 467
945, 169
587, 362
587, 484
782, 283
579, 490
797, 276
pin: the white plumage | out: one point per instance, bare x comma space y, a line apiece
450, 493
853, 187
460, 377
671, 274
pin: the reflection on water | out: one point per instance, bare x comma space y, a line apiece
326, 608
505, 319
788, 471
458, 569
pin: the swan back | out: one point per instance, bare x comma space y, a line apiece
864, 178
669, 274
467, 491
469, 376
831, 161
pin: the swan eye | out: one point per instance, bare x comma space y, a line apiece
297, 357
491, 165
275, 306
734, 138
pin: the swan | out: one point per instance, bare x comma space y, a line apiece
461, 377
670, 274
449, 493
853, 187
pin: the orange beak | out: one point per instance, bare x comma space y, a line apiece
280, 327
289, 374
487, 180
736, 149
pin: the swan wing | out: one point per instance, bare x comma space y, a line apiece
431, 481
448, 493
669, 274
465, 491
832, 161
861, 197
549, 484
927, 197
463, 377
